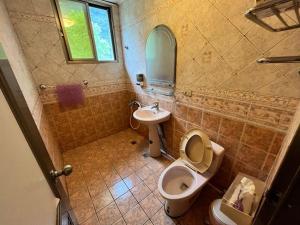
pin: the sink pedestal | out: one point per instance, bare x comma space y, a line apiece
152, 117
154, 144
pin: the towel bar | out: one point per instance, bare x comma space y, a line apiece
283, 59
45, 86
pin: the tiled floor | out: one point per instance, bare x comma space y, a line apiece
114, 183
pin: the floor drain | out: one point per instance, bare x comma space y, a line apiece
133, 142
145, 155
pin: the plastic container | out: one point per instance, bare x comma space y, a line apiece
236, 215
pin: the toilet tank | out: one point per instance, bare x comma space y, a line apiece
218, 153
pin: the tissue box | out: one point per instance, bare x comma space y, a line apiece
237, 216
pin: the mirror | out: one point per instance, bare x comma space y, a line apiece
161, 57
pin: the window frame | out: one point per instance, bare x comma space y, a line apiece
63, 34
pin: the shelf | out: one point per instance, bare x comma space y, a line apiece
275, 8
260, 14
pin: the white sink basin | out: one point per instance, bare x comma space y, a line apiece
151, 118
148, 116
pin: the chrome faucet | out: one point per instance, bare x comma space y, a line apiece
135, 102
155, 106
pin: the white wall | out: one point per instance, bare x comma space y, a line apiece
25, 196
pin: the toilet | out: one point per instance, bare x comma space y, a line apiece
180, 183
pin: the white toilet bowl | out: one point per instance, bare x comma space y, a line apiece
181, 182
179, 185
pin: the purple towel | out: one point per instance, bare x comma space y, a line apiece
70, 95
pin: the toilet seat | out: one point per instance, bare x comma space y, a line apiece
196, 150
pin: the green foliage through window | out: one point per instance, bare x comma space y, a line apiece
2, 53
87, 31
102, 33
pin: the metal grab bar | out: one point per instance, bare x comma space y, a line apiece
283, 59
45, 86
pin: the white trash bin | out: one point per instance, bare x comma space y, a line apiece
217, 217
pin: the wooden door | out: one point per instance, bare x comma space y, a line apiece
15, 99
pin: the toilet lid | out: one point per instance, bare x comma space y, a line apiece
196, 150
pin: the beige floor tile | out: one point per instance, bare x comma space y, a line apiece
109, 215
91, 221
124, 171
151, 182
144, 172
132, 180
81, 195
118, 189
151, 205
158, 196
102, 200
96, 187
140, 191
92, 176
111, 177
126, 202
75, 185
84, 211
136, 216
161, 218
155, 165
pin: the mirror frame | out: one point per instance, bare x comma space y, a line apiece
156, 82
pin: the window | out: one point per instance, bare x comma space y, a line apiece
87, 31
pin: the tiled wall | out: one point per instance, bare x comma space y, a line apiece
52, 145
100, 115
250, 147
217, 46
13, 51
36, 29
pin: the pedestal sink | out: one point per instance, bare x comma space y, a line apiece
152, 117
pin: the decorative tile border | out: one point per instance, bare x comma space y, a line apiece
280, 102
49, 95
35, 18
277, 118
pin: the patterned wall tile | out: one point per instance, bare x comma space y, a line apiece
250, 146
99, 116
258, 137
51, 144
